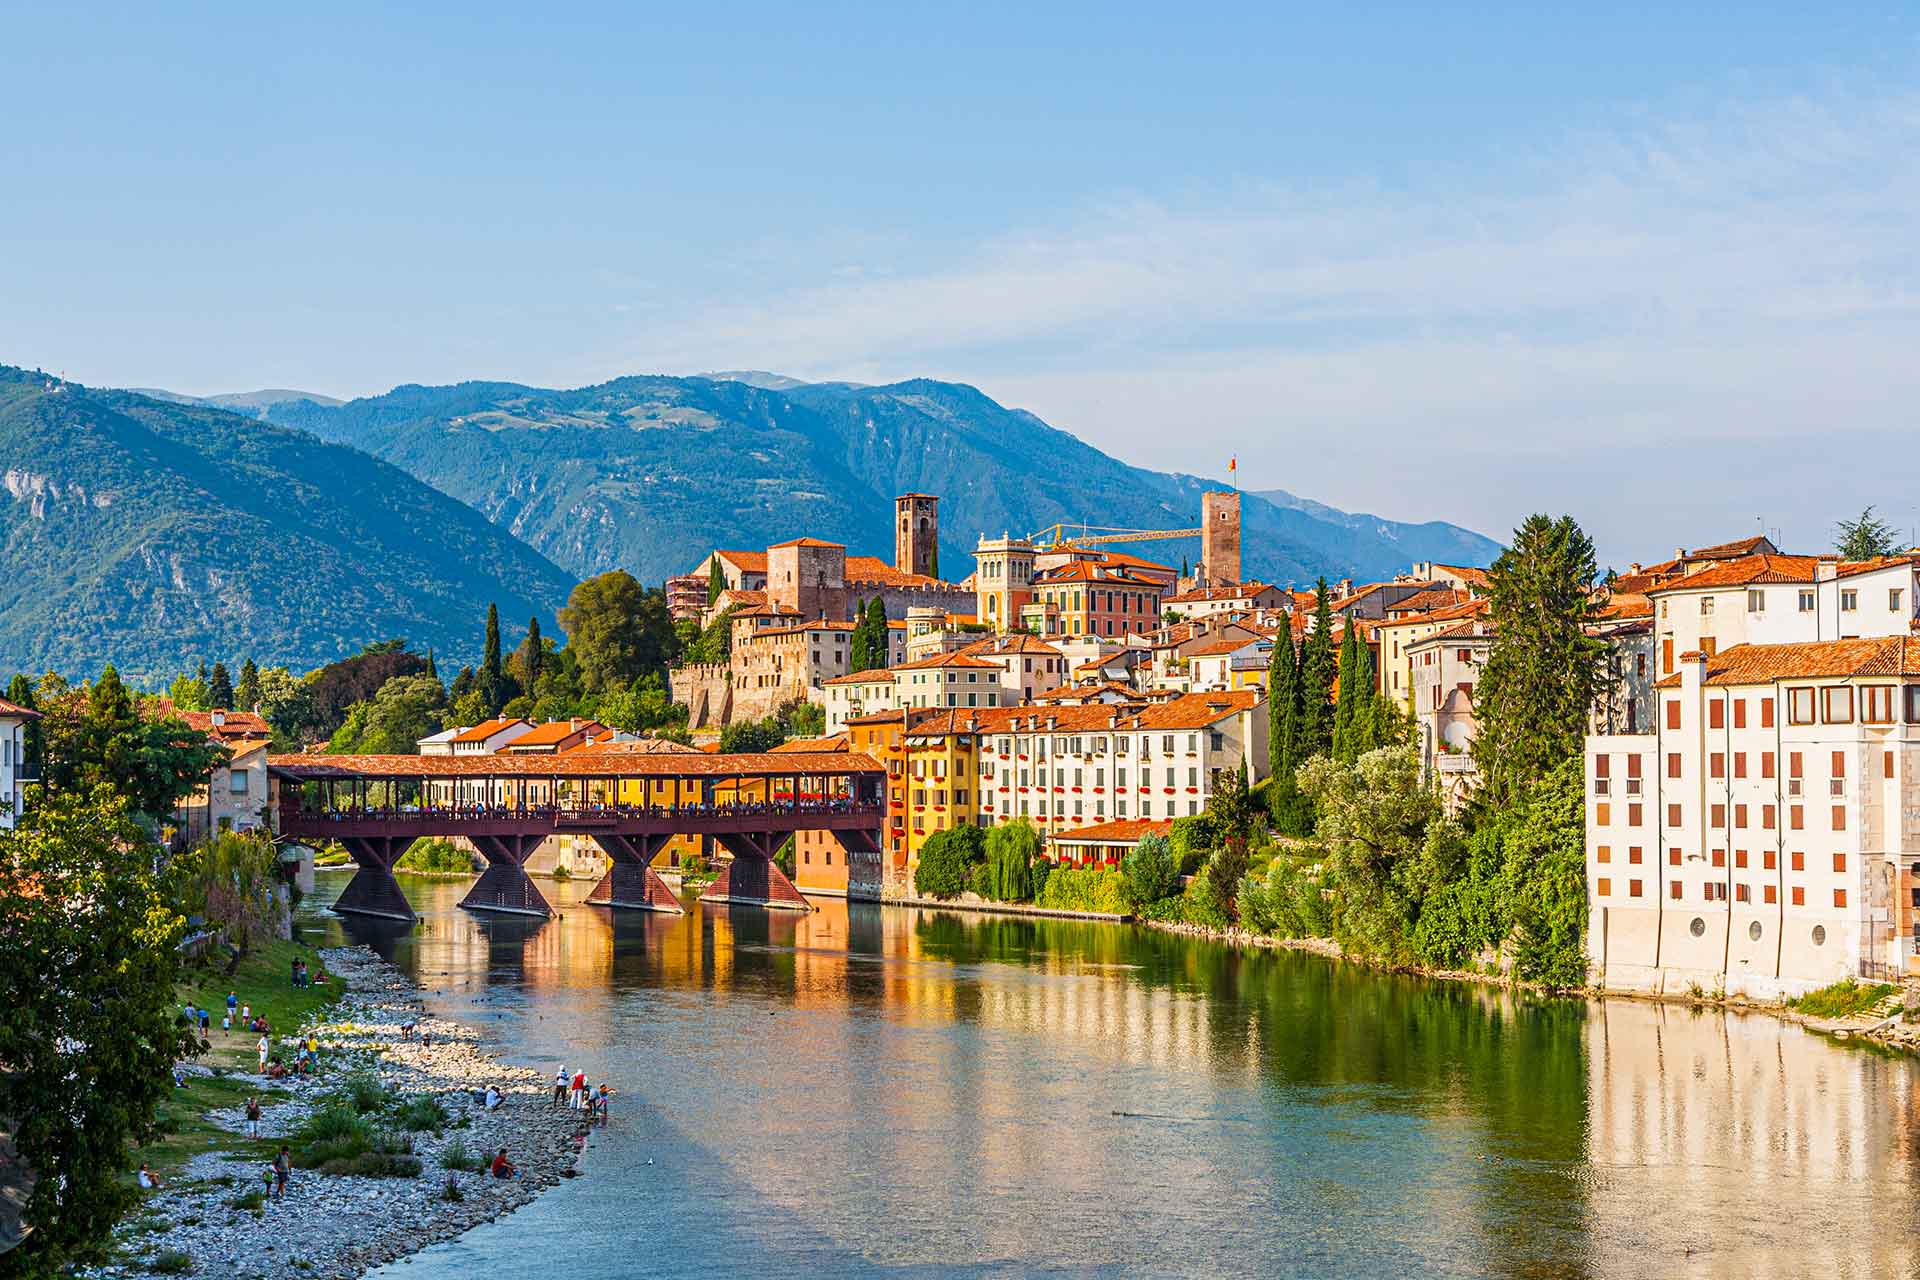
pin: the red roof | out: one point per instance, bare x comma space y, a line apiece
1123, 831
554, 731
16, 711
234, 726
486, 729
592, 764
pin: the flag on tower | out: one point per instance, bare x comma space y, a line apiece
1233, 465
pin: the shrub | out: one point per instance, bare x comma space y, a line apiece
334, 1122
946, 861
421, 1112
432, 853
1039, 871
363, 1092
452, 1192
1841, 1000
253, 1201
560, 871
980, 881
172, 1263
1190, 840
456, 1156
1087, 889
1150, 869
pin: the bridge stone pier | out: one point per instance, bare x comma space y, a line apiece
629, 803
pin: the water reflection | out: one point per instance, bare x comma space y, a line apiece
868, 1091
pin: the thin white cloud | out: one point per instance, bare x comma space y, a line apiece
1544, 335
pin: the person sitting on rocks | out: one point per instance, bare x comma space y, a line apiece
503, 1167
493, 1098
148, 1180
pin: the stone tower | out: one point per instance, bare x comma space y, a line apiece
1220, 538
916, 534
1002, 580
809, 577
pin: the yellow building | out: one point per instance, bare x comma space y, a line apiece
942, 761
1396, 634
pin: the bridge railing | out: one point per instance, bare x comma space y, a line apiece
563, 813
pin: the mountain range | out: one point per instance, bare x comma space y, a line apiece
156, 535
156, 530
649, 473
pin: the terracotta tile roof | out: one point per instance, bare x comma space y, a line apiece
1244, 591
1625, 606
486, 729
745, 561
806, 542
643, 747
592, 764
872, 571
236, 726
1097, 574
1220, 646
1117, 559
1745, 571
1831, 659
1085, 694
1465, 609
957, 658
1472, 628
830, 743
1853, 568
1014, 644
15, 711
872, 675
1731, 550
1122, 831
800, 629
1469, 573
1359, 593
1429, 600
553, 731
745, 597
878, 717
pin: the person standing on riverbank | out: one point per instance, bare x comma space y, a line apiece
253, 1116
263, 1046
560, 1086
282, 1170
579, 1089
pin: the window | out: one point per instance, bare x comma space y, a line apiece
1739, 764
1893, 600
1836, 704
1635, 815
1840, 863
1798, 861
1673, 713
1840, 897
1633, 888
237, 782
1603, 854
1706, 606
1756, 602
1839, 817
1718, 814
1634, 854
1739, 713
1717, 764
1799, 706
1849, 601
1796, 817
1740, 893
1717, 713
1767, 813
1876, 704
1806, 602
1767, 860
1604, 887
1740, 858
1766, 713
1602, 816
1766, 764
1673, 815
1675, 887
1766, 895
1719, 857
1799, 896
1673, 857
1673, 764
1740, 816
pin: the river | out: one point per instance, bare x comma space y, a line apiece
888, 1091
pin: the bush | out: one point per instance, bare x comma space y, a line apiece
363, 1092
172, 1263
1150, 869
1039, 871
980, 881
332, 1123
1087, 889
1841, 1000
431, 853
456, 1156
253, 1201
946, 862
1190, 840
374, 1164
419, 1113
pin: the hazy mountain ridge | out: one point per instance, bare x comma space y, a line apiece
648, 473
154, 534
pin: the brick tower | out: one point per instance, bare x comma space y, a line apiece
1220, 538
916, 534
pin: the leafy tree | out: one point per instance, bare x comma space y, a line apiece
220, 688
946, 862
752, 735
801, 719
287, 706
1538, 906
88, 1025
1191, 839
1537, 690
859, 646
1232, 809
642, 708
712, 644
246, 694
231, 880
1347, 699
407, 709
618, 631
1865, 538
1011, 850
99, 738
1150, 869
879, 633
338, 685
1373, 817
716, 579
187, 693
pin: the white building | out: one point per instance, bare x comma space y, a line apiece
863, 693
14, 771
1764, 838
949, 680
488, 736
1067, 767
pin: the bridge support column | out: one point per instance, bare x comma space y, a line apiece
504, 885
373, 891
751, 877
631, 881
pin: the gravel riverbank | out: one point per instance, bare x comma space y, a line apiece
340, 1225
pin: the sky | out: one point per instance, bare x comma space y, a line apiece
1657, 266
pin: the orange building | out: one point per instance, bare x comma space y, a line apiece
882, 737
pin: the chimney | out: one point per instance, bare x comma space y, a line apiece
1826, 570
219, 719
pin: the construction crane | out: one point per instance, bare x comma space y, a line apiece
1056, 534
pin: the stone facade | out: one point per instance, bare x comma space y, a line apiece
1220, 537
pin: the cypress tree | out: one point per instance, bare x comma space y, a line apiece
20, 694
1345, 703
530, 659
246, 694
1283, 693
879, 634
716, 579
859, 645
1364, 727
1318, 666
220, 688
490, 657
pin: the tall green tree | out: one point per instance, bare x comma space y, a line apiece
246, 694
879, 633
1537, 690
1348, 700
716, 579
392, 722
860, 643
529, 658
1291, 811
88, 1024
1319, 664
1864, 538
1011, 849
618, 631
98, 738
220, 688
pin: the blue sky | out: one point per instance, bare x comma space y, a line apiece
1453, 263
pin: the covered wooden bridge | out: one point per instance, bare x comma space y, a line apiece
629, 804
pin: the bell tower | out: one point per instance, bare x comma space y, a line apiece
916, 534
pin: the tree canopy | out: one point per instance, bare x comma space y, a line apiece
1864, 538
618, 630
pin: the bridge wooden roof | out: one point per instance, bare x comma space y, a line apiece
574, 764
